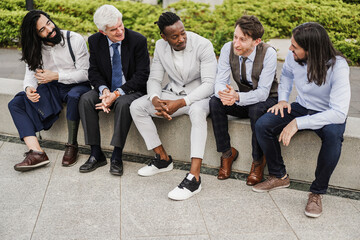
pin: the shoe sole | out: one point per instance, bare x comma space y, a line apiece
182, 199
161, 170
28, 168
312, 215
261, 190
70, 165
93, 169
115, 173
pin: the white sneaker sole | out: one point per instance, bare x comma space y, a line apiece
261, 190
27, 168
148, 171
184, 196
313, 215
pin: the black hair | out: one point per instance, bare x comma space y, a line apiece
31, 41
321, 54
167, 19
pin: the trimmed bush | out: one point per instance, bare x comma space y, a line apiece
279, 17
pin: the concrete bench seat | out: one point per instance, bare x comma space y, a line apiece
300, 157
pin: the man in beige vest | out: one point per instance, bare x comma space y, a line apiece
252, 64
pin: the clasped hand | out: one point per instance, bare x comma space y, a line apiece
165, 108
31, 94
45, 76
107, 99
228, 96
289, 131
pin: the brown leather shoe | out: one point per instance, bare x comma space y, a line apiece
314, 206
256, 173
70, 155
272, 183
32, 160
226, 163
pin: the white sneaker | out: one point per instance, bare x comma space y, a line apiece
186, 189
156, 166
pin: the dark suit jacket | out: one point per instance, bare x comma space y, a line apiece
134, 59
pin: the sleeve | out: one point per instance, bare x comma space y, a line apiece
156, 74
80, 72
223, 69
95, 76
266, 78
286, 80
207, 72
29, 78
138, 80
339, 103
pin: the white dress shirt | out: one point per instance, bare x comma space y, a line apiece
58, 59
331, 99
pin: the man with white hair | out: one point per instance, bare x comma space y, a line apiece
119, 69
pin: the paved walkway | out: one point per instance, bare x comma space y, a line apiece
60, 203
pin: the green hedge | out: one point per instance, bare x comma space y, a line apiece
279, 17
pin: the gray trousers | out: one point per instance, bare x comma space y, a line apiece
90, 117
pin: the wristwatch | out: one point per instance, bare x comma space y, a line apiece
117, 93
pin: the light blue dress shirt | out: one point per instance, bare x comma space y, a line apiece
331, 99
266, 77
102, 87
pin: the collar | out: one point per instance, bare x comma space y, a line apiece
251, 57
110, 42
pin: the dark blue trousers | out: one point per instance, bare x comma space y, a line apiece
269, 126
219, 112
30, 117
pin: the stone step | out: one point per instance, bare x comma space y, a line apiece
300, 157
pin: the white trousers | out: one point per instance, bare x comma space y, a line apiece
142, 110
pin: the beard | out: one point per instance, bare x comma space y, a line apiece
301, 61
53, 40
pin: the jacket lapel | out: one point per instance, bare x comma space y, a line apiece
188, 58
105, 56
125, 55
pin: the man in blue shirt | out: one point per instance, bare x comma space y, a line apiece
253, 66
321, 77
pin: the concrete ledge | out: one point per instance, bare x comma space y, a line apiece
300, 157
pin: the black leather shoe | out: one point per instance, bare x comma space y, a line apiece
116, 167
92, 163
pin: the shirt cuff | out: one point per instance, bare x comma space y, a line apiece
101, 89
121, 91
303, 122
239, 102
152, 96
187, 100
283, 97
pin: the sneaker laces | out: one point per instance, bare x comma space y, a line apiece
184, 183
156, 159
26, 153
314, 198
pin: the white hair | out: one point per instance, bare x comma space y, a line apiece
106, 16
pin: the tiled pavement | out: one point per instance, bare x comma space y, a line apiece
60, 203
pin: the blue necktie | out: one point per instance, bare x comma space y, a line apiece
116, 80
